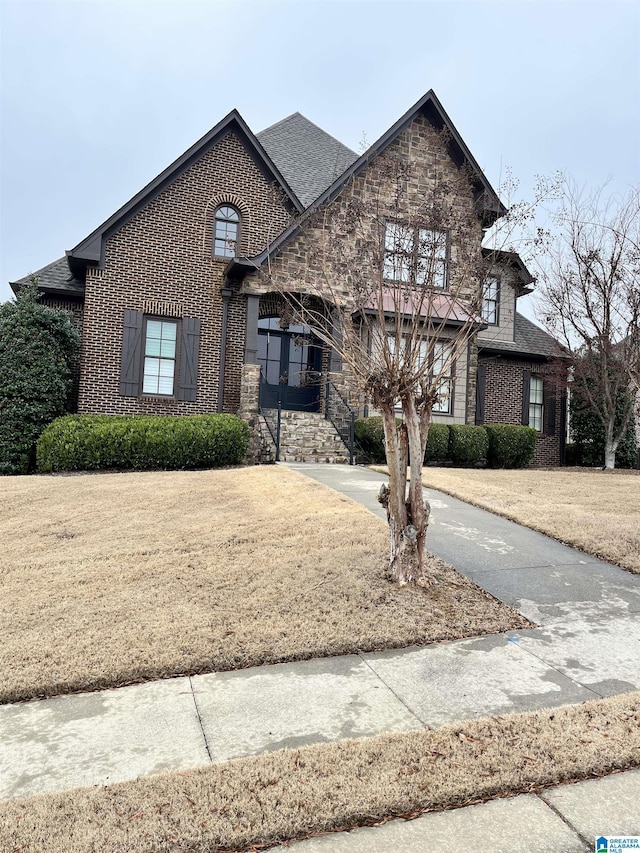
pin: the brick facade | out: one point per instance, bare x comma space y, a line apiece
163, 256
503, 400
75, 310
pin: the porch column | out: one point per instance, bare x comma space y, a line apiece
226, 296
251, 336
335, 359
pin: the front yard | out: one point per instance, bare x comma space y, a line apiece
596, 511
109, 579
114, 578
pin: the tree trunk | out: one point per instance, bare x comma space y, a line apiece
610, 447
407, 517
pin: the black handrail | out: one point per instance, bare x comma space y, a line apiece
274, 429
341, 415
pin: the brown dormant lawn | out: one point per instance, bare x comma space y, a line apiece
288, 794
596, 511
109, 579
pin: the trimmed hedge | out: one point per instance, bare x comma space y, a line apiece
141, 443
369, 433
437, 450
510, 445
501, 445
467, 444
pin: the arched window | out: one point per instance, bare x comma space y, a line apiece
227, 224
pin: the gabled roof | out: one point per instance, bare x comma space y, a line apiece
54, 278
309, 158
529, 340
90, 249
515, 262
428, 106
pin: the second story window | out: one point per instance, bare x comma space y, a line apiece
415, 255
490, 301
227, 224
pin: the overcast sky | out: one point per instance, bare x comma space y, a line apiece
100, 96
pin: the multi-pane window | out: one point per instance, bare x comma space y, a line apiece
536, 403
490, 301
227, 223
442, 376
439, 374
415, 255
160, 357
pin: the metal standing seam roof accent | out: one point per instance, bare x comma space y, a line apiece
309, 158
56, 277
529, 339
438, 306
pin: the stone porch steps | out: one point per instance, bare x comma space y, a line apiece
308, 437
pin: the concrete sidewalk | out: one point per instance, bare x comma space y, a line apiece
587, 646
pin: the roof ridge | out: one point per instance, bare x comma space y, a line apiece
317, 126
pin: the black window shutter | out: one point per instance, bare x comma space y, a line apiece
549, 409
131, 354
526, 392
189, 351
480, 392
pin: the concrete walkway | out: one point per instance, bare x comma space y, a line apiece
587, 646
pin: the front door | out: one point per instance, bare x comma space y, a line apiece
291, 362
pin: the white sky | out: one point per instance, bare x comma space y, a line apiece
99, 96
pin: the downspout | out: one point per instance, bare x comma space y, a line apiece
226, 296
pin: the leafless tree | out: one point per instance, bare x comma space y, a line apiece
589, 299
397, 256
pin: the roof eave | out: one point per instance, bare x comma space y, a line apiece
90, 249
479, 325
492, 207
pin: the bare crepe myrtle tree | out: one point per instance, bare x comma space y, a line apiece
392, 280
590, 300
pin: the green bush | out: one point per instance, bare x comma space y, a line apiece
100, 442
37, 345
437, 450
510, 445
589, 434
468, 445
369, 434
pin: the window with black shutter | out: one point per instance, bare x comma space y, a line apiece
159, 356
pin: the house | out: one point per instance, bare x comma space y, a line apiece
177, 317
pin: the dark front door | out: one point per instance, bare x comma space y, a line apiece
291, 361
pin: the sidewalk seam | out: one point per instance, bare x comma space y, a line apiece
564, 819
393, 692
204, 736
559, 671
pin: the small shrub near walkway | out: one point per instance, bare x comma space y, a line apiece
462, 445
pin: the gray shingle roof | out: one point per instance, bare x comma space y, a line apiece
54, 277
309, 158
529, 340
